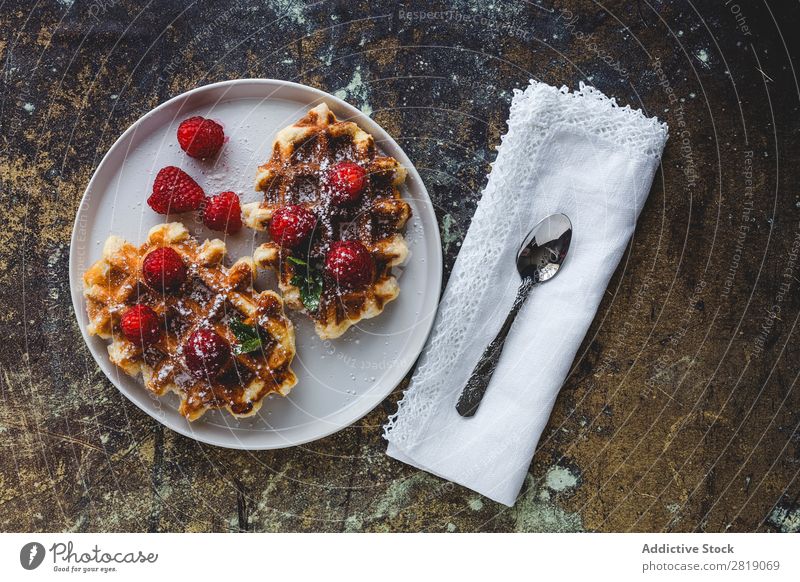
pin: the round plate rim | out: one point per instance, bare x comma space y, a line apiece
76, 288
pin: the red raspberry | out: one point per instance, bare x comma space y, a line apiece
206, 352
200, 137
141, 325
350, 264
347, 181
164, 269
291, 225
175, 191
223, 212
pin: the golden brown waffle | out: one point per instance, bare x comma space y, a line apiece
210, 297
301, 155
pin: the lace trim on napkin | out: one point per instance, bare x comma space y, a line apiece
535, 114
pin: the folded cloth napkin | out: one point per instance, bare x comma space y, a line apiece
578, 153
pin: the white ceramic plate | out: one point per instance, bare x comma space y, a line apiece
339, 381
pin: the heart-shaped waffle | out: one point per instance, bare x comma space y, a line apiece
294, 175
211, 297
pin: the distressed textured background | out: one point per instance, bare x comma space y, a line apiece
682, 410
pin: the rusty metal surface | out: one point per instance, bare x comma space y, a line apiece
681, 412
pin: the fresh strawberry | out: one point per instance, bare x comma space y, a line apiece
175, 191
223, 212
291, 225
164, 269
200, 137
140, 324
350, 264
347, 181
206, 352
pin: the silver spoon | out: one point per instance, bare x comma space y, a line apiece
539, 260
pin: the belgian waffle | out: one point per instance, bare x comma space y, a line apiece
293, 175
210, 297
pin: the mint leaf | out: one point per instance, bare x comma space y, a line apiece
310, 290
247, 346
241, 330
297, 261
309, 280
247, 337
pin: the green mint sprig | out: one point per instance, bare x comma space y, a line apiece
247, 337
309, 281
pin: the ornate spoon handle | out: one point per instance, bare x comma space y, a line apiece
473, 392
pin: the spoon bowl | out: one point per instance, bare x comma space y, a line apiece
544, 249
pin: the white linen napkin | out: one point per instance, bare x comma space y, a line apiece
573, 152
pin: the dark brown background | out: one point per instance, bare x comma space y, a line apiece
682, 410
